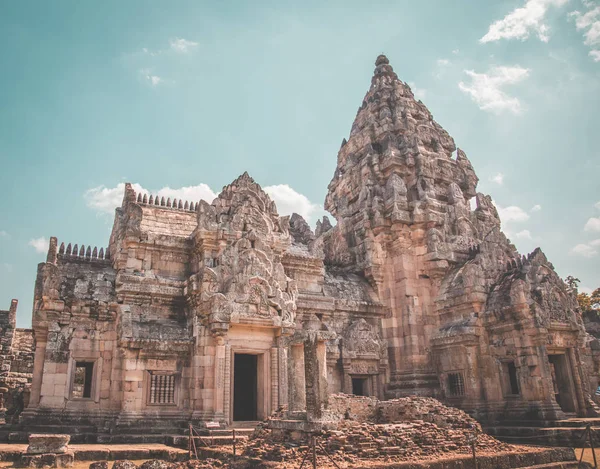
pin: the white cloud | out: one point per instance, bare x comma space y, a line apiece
523, 21
589, 22
498, 179
147, 75
419, 93
455, 51
593, 224
39, 244
104, 199
4, 234
190, 193
584, 250
595, 243
182, 45
486, 88
512, 214
536, 208
7, 267
597, 205
443, 62
523, 234
289, 201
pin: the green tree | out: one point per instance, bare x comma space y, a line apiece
572, 282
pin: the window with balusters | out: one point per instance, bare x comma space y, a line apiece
162, 388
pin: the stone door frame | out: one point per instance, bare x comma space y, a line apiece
266, 376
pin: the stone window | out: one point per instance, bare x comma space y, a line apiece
82, 380
162, 388
456, 384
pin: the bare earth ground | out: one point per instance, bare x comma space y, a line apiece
292, 457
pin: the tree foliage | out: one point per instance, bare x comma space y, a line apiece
591, 302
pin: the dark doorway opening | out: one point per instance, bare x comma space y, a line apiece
359, 386
244, 387
562, 382
512, 376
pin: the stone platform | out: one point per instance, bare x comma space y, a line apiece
13, 452
567, 432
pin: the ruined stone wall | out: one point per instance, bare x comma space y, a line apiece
16, 362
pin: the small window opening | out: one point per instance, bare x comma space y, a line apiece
162, 389
82, 382
456, 384
359, 386
512, 376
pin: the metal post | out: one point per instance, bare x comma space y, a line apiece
190, 443
314, 452
473, 446
589, 430
233, 444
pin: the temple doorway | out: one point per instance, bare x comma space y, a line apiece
245, 387
564, 391
359, 386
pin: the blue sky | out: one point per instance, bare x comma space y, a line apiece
182, 97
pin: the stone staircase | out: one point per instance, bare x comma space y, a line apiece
174, 433
208, 438
567, 432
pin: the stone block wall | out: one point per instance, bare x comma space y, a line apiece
16, 362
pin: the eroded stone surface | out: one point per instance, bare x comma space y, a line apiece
46, 443
411, 292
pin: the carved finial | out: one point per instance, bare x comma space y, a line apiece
95, 253
68, 252
51, 257
61, 250
101, 253
129, 195
168, 201
75, 250
180, 204
174, 203
162, 201
151, 200
145, 199
107, 254
82, 251
186, 206
88, 253
382, 59
139, 198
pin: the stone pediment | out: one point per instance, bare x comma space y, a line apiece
241, 278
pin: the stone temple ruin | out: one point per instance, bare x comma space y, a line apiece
227, 312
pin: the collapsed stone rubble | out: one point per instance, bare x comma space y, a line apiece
404, 429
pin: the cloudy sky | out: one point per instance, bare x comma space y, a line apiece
182, 97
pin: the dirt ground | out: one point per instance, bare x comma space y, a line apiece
588, 456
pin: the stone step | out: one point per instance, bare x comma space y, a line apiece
552, 436
227, 431
221, 440
576, 422
55, 429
